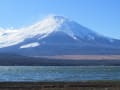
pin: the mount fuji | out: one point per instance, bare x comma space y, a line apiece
56, 35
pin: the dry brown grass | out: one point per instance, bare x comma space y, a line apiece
109, 85
85, 57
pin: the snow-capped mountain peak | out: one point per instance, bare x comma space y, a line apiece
43, 29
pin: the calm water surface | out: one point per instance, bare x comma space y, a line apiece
59, 73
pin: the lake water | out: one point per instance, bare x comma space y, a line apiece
58, 73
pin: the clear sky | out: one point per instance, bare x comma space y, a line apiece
102, 16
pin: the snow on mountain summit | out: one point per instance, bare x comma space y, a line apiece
43, 29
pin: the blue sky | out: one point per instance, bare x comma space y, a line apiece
102, 16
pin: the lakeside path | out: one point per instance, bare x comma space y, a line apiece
90, 85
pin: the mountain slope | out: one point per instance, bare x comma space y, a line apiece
56, 35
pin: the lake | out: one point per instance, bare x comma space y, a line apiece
58, 73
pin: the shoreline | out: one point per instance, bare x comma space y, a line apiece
87, 85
